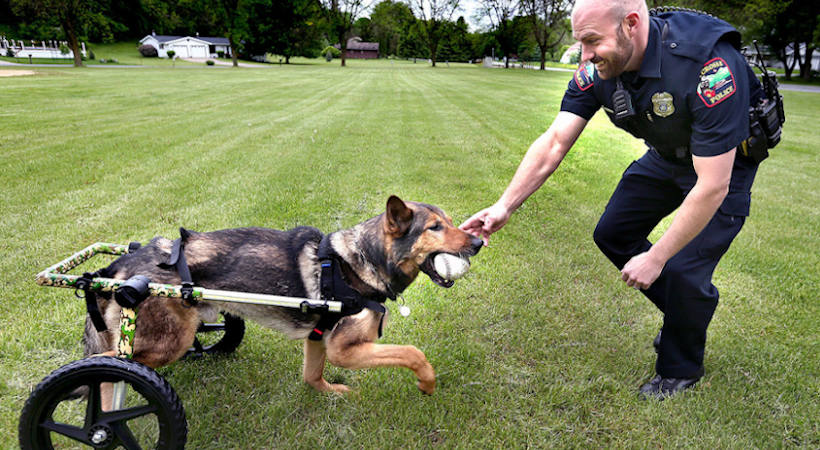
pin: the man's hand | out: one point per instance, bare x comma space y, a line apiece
642, 270
486, 222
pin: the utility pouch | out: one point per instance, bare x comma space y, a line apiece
756, 146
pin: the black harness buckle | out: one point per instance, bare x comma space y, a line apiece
187, 291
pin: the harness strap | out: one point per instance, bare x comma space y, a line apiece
84, 283
177, 261
334, 287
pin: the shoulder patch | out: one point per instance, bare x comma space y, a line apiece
585, 76
716, 82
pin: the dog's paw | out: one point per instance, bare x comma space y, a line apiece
339, 388
427, 387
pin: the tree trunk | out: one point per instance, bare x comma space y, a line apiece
805, 69
68, 27
543, 58
234, 58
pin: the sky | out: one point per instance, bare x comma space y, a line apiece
468, 9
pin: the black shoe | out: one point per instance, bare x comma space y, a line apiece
657, 341
659, 388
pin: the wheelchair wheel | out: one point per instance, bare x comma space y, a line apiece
223, 336
55, 415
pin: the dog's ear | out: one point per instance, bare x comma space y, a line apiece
398, 216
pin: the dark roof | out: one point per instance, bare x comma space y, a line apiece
356, 43
161, 38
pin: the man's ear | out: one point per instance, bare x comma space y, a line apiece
632, 20
398, 216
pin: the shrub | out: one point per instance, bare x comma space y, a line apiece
331, 52
210, 62
91, 54
220, 54
103, 61
64, 49
10, 53
148, 51
171, 53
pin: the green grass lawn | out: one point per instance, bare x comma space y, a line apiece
541, 345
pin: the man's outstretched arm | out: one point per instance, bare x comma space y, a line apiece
541, 160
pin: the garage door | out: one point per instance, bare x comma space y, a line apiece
199, 51
181, 51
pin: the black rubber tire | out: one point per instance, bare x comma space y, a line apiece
158, 397
233, 328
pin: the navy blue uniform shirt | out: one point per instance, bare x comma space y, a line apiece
692, 92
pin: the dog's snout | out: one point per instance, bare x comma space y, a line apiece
476, 243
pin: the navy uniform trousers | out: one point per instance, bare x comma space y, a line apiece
650, 189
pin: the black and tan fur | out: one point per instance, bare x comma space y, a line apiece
383, 255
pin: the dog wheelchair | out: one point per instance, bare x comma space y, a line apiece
144, 410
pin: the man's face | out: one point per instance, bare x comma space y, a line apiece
603, 40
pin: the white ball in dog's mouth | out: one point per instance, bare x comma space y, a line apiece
450, 267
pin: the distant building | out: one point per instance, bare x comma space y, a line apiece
188, 46
357, 49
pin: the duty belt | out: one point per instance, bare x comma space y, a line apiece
678, 154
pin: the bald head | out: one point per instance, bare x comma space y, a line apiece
617, 9
613, 34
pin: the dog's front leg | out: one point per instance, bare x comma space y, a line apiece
314, 367
367, 354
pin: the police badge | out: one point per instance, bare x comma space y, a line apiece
663, 104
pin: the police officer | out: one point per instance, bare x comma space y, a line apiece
676, 80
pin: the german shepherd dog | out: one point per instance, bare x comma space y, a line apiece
381, 256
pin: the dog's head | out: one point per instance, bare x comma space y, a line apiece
416, 232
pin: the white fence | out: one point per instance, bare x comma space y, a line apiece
36, 49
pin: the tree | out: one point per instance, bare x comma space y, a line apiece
549, 23
72, 15
362, 28
340, 16
390, 24
795, 27
456, 43
501, 14
432, 15
284, 27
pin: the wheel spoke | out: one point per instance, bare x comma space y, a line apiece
78, 434
93, 408
197, 346
125, 436
121, 415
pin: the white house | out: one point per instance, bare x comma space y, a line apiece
188, 46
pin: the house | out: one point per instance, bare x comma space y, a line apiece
356, 49
188, 46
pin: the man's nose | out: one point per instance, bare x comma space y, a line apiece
587, 54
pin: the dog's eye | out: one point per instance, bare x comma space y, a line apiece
435, 227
